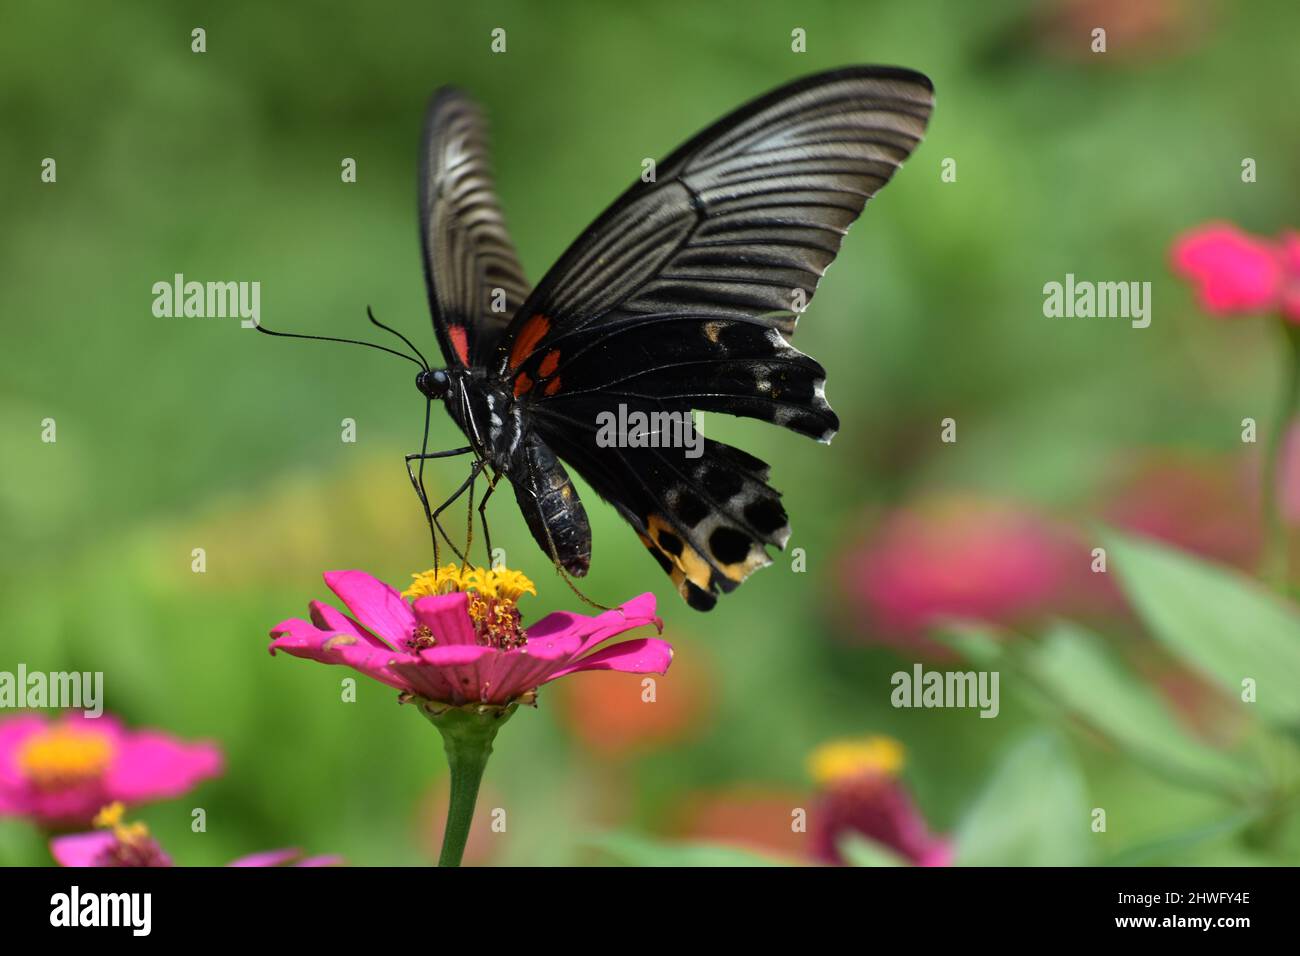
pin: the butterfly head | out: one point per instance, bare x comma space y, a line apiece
433, 383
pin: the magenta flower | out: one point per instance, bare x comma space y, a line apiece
462, 652
129, 845
861, 796
955, 558
1236, 273
59, 773
465, 647
106, 848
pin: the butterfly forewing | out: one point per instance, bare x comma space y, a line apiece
474, 278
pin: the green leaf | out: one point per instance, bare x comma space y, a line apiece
1077, 672
975, 641
860, 851
1226, 625
632, 849
1034, 812
1169, 849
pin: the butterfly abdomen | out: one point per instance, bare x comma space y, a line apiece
550, 505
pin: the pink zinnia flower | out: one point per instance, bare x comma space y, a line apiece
457, 646
1205, 504
955, 558
121, 844
1236, 273
60, 772
862, 796
614, 718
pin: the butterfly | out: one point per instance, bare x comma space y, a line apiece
680, 297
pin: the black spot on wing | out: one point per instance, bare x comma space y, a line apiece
688, 508
670, 543
728, 545
766, 514
722, 483
698, 598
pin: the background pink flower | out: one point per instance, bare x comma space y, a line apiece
1198, 502
1236, 273
105, 848
874, 806
861, 795
60, 772
955, 558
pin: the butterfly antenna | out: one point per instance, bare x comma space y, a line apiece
409, 343
329, 338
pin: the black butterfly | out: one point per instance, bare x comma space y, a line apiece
679, 297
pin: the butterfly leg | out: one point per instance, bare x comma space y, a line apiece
482, 513
469, 514
477, 467
417, 482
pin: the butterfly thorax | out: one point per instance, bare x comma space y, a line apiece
500, 434
488, 416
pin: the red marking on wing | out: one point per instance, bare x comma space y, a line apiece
522, 384
459, 343
529, 336
552, 386
550, 363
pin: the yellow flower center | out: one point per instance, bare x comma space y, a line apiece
64, 756
501, 583
128, 834
844, 759
493, 595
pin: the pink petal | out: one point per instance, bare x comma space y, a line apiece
572, 634
82, 849
1233, 271
375, 604
1291, 283
14, 732
645, 655
150, 765
303, 639
331, 619
447, 615
454, 674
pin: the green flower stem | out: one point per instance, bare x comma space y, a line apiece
467, 735
1276, 553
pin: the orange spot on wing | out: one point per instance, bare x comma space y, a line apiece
528, 337
550, 363
522, 384
552, 386
459, 342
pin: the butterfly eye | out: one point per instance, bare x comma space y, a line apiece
433, 383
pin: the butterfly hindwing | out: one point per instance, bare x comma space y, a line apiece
471, 269
705, 512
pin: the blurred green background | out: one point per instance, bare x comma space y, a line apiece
175, 434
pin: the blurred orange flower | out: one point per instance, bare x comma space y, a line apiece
627, 714
752, 817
